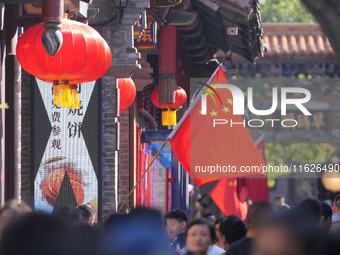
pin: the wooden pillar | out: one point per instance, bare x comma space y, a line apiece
167, 64
12, 115
2, 110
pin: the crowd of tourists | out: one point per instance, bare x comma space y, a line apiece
308, 228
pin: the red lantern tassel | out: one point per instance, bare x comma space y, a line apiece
66, 95
169, 118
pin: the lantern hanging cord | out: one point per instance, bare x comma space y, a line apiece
104, 23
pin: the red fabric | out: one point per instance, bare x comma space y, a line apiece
84, 55
127, 93
243, 188
197, 143
167, 50
225, 197
256, 189
181, 146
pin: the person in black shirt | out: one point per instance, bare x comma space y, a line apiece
326, 216
294, 232
232, 229
176, 223
258, 212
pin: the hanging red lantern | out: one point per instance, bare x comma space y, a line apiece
83, 57
169, 117
180, 98
127, 92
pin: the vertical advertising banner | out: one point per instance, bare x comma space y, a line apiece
65, 149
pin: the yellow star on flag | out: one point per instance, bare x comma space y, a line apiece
230, 101
213, 113
226, 109
200, 112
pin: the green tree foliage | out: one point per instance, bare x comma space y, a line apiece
284, 11
302, 153
299, 153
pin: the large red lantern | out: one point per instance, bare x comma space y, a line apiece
83, 57
180, 98
127, 92
169, 117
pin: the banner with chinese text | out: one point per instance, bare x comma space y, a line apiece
65, 149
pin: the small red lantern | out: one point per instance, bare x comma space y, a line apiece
83, 57
127, 91
169, 116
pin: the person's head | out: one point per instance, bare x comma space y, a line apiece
258, 212
211, 217
200, 235
147, 213
84, 240
149, 216
336, 204
232, 229
71, 216
176, 222
114, 219
36, 234
89, 214
11, 212
310, 208
280, 200
290, 233
329, 202
326, 216
217, 225
139, 232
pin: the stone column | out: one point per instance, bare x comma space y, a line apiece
119, 37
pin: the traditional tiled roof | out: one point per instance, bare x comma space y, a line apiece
220, 15
295, 39
193, 38
291, 49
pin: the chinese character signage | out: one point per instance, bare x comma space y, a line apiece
148, 38
65, 158
139, 26
318, 121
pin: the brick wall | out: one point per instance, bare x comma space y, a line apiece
124, 60
119, 36
25, 136
109, 146
124, 160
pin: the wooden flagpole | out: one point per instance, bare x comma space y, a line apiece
140, 179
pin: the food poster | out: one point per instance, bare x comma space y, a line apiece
65, 149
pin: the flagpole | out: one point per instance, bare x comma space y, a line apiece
140, 179
259, 139
192, 105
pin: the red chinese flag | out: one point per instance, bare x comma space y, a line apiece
210, 151
256, 189
225, 197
